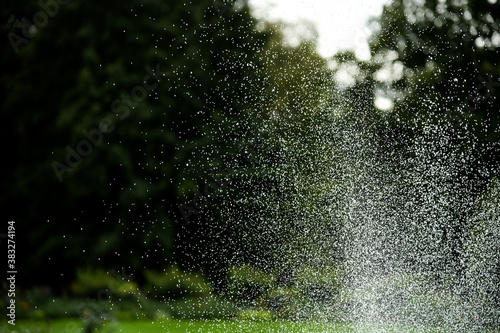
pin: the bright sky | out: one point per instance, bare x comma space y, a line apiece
341, 24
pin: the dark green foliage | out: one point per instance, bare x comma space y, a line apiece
203, 308
247, 283
449, 51
172, 283
98, 283
118, 205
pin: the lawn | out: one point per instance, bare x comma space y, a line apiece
174, 326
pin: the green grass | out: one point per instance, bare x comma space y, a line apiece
227, 326
174, 326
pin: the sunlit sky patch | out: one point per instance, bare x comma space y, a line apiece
341, 24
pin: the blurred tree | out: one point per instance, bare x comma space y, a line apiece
299, 79
439, 65
279, 187
113, 108
253, 215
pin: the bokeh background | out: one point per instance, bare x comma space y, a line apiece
184, 153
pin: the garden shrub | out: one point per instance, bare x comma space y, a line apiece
246, 283
255, 314
318, 284
173, 283
283, 302
100, 284
201, 308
